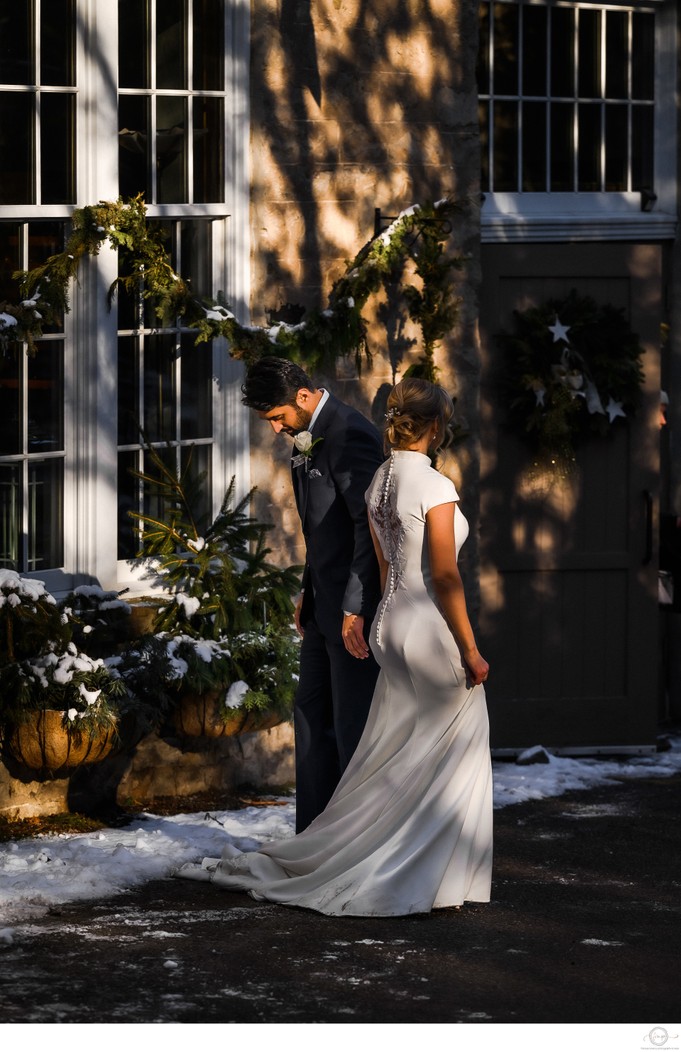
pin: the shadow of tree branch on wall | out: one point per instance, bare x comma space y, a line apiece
358, 105
369, 104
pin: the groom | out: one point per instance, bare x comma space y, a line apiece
336, 453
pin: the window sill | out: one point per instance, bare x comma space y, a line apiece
572, 217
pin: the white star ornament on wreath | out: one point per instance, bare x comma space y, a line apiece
559, 331
614, 409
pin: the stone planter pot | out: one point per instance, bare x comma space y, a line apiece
200, 716
43, 744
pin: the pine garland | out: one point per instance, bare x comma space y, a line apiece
418, 235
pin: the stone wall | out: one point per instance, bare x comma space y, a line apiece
357, 105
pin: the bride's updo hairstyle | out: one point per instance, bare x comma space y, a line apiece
413, 408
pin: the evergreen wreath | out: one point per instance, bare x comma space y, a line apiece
572, 370
418, 235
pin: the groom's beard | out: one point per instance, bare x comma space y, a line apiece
302, 422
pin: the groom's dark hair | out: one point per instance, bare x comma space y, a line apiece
273, 381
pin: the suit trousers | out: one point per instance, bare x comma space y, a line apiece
331, 708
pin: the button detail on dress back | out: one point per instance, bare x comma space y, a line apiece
390, 532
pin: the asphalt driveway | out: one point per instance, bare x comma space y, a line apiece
584, 926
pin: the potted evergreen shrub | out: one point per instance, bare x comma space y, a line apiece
59, 707
224, 642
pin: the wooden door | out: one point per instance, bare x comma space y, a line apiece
569, 574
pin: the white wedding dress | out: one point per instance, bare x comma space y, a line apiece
409, 827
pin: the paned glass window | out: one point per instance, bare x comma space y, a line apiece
37, 102
31, 418
567, 97
164, 387
98, 100
171, 100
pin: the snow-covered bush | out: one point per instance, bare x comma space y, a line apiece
29, 618
41, 668
100, 619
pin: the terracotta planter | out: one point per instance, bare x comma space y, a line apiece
200, 716
43, 744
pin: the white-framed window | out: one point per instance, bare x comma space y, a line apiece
99, 101
576, 117
171, 100
37, 102
32, 425
165, 387
171, 134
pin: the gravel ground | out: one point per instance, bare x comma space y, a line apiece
584, 926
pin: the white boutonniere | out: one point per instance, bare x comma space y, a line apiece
304, 443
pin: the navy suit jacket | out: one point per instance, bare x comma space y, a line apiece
341, 570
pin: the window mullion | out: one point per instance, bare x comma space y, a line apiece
490, 118
152, 44
141, 466
140, 380
549, 95
177, 384
177, 356
602, 95
37, 136
24, 533
190, 103
190, 148
520, 175
575, 104
630, 93
36, 43
23, 374
153, 176
31, 554
23, 551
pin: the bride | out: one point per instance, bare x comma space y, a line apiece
409, 828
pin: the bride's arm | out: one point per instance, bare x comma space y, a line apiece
383, 566
449, 586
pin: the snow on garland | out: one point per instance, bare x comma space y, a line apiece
417, 234
573, 369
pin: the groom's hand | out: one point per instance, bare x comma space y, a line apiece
296, 615
353, 635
